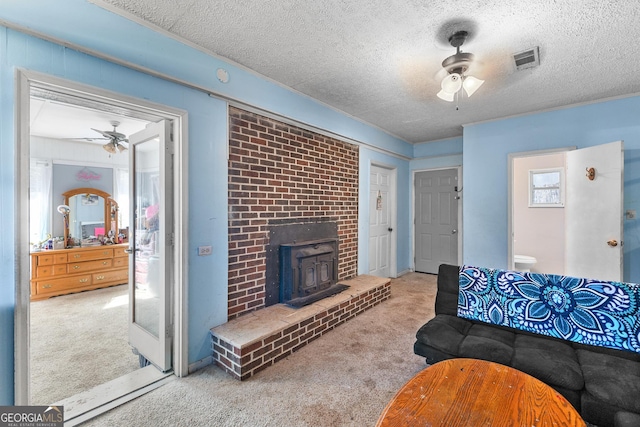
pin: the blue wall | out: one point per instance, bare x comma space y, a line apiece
485, 150
439, 148
87, 25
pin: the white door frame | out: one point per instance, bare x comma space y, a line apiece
24, 79
413, 211
393, 247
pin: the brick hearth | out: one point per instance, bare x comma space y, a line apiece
256, 340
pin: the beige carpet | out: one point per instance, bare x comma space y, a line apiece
345, 378
78, 341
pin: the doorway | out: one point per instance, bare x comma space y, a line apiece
436, 229
575, 227
382, 214
101, 103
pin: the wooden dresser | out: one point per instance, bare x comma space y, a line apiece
66, 271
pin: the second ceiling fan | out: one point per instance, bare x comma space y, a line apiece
115, 138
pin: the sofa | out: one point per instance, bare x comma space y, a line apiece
603, 384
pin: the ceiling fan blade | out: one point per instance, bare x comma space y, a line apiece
85, 139
103, 133
440, 75
115, 135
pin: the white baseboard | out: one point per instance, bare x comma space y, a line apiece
199, 364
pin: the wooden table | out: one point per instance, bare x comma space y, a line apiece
470, 393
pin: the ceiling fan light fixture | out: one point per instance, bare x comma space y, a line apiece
456, 66
121, 147
446, 96
451, 83
471, 84
109, 148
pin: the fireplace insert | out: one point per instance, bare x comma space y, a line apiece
309, 271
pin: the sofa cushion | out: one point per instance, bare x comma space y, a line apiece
626, 419
624, 354
551, 361
488, 343
447, 296
611, 380
444, 333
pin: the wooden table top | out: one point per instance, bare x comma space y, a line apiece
470, 393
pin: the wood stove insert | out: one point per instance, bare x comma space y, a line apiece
309, 271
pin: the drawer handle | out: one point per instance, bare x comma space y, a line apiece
76, 256
104, 263
47, 286
100, 278
83, 280
75, 267
106, 252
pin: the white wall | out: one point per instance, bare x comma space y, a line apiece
538, 232
76, 152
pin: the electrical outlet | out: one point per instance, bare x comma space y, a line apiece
630, 214
205, 250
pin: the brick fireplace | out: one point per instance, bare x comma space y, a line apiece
292, 193
281, 174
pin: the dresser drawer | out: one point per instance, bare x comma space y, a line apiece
60, 259
80, 267
51, 270
121, 262
110, 276
57, 285
45, 259
120, 252
89, 255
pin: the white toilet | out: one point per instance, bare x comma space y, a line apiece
524, 263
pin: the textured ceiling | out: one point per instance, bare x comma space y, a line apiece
377, 59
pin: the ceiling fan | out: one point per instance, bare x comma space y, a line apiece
455, 68
115, 138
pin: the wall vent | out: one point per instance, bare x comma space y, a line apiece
529, 58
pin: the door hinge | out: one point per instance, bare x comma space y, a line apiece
168, 333
171, 239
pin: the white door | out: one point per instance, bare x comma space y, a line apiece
151, 243
436, 219
594, 222
381, 200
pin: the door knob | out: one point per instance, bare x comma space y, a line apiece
390, 229
454, 231
613, 243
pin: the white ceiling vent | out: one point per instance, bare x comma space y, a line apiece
527, 59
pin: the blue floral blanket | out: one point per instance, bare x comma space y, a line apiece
581, 310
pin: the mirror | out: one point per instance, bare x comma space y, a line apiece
90, 214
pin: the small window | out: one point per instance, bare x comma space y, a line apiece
546, 188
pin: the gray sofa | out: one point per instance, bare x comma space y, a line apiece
602, 384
